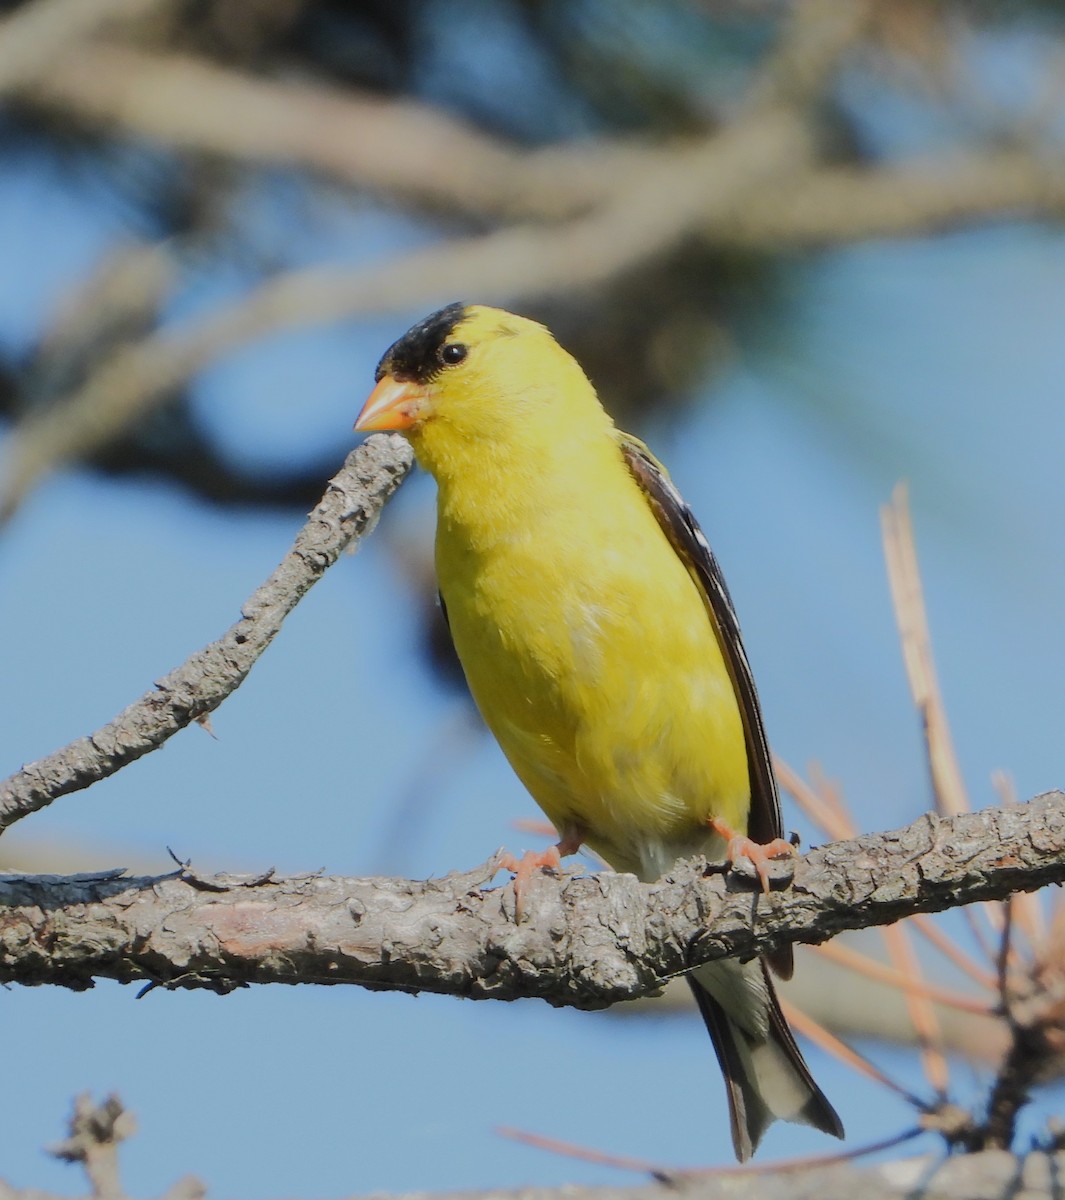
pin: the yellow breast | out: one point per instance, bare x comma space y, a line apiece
591, 655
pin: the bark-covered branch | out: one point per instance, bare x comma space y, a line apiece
347, 511
586, 942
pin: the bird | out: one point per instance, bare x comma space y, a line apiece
601, 646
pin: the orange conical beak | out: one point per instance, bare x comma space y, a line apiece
393, 404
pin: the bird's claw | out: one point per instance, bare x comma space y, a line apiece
525, 868
758, 854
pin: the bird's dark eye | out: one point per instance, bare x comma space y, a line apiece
452, 353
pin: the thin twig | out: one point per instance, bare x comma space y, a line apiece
928, 929
347, 511
831, 822
825, 798
676, 1174
602, 1158
1023, 1061
839, 1050
1027, 910
1003, 964
922, 1014
800, 1162
831, 795
904, 577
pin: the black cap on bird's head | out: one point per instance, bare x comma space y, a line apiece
415, 357
408, 367
412, 375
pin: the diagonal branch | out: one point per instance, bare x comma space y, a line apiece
398, 148
652, 217
349, 509
36, 37
588, 942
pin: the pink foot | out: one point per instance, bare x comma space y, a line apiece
537, 860
741, 846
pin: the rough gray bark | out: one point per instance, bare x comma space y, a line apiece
586, 942
347, 511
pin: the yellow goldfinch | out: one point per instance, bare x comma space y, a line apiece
600, 645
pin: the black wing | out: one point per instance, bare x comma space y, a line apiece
678, 523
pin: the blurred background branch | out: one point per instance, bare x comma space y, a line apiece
186, 110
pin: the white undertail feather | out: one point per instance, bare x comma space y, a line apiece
741, 990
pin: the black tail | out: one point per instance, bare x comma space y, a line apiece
766, 1077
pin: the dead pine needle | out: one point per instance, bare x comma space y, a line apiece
911, 616
601, 1158
802, 1162
843, 1053
880, 972
824, 815
907, 594
1028, 915
949, 949
922, 1014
